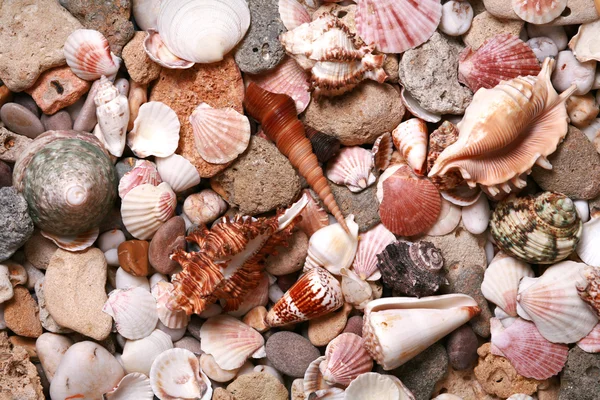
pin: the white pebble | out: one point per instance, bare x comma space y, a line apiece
125, 280
33, 275
211, 311
477, 216
157, 277
569, 71
555, 33
112, 257
51, 348
175, 334
456, 17
543, 47
275, 293
204, 207
583, 210
489, 252
110, 240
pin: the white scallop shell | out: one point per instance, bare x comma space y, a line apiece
112, 112
353, 167
134, 312
588, 249
176, 374
370, 244
124, 280
138, 355
591, 343
88, 54
332, 247
144, 172
146, 208
410, 139
172, 319
132, 386
155, 131
374, 386
448, 219
178, 172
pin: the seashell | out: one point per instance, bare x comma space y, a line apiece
447, 221
77, 242
476, 216
88, 55
332, 248
374, 386
155, 131
462, 195
134, 312
398, 328
587, 248
501, 282
112, 112
144, 172
357, 292
157, 51
230, 341
583, 43
382, 151
313, 378
176, 374
538, 11
520, 396
538, 229
145, 13
412, 269
500, 58
415, 108
352, 167
324, 146
552, 303
276, 113
313, 216
591, 343
213, 371
448, 396
171, 319
293, 14
146, 208
178, 172
202, 31
371, 243
138, 355
220, 134
124, 280
345, 359
588, 289
316, 293
512, 127
410, 138
68, 180
439, 140
132, 386
527, 350
408, 205
204, 207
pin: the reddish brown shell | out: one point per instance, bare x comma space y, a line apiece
313, 216
439, 139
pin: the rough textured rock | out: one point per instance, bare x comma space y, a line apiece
257, 386
462, 384
46, 319
21, 120
23, 57
486, 26
222, 394
290, 353
12, 145
58, 88
460, 246
168, 238
39, 250
288, 259
462, 348
260, 180
575, 168
139, 66
5, 175
363, 205
19, 379
580, 377
15, 224
324, 329
577, 11
359, 116
21, 314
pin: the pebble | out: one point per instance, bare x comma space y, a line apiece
324, 329
28, 102
139, 66
260, 50
58, 88
16, 227
19, 380
456, 18
575, 168
133, 257
354, 325
21, 314
485, 26
580, 378
74, 291
39, 250
33, 275
204, 208
125, 280
17, 273
210, 367
124, 166
290, 353
60, 121
20, 120
86, 118
51, 348
12, 145
390, 66
194, 326
543, 47
5, 175
462, 384
169, 237
555, 33
577, 11
569, 71
256, 318
462, 348
257, 386
48, 323
363, 205
189, 343
28, 344
222, 394
110, 240
359, 116
218, 84
430, 74
260, 180
23, 57
288, 259
582, 110
175, 334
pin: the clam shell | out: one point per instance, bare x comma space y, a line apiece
213, 371
171, 319
77, 242
176, 374
293, 14
155, 131
415, 108
157, 51
538, 11
352, 167
313, 216
112, 113
447, 221
410, 139
178, 172
591, 343
587, 248
374, 386
382, 151
583, 44
476, 216
134, 312
371, 243
132, 386
88, 55
146, 208
138, 355
220, 134
332, 247
144, 172
345, 359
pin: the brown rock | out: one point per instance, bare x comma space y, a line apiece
57, 88
222, 394
12, 145
363, 205
21, 314
19, 379
549, 390
168, 238
39, 250
462, 348
219, 85
256, 319
324, 329
27, 343
462, 384
288, 259
257, 386
486, 26
140, 67
5, 95
133, 257
460, 246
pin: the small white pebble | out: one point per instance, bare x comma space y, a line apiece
125, 280
456, 17
555, 33
110, 240
112, 257
583, 210
543, 47
569, 71
275, 293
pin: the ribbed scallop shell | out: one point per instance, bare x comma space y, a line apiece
345, 359
220, 134
410, 139
77, 242
314, 383
501, 282
553, 304
313, 216
447, 221
144, 172
588, 249
138, 355
155, 131
371, 243
538, 229
178, 172
382, 151
395, 26
408, 205
538, 11
352, 167
176, 374
332, 247
171, 319
374, 386
132, 386
134, 312
230, 341
293, 14
88, 54
146, 208
500, 58
591, 343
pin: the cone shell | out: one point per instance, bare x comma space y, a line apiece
293, 14
313, 216
157, 51
410, 139
538, 229
316, 293
500, 58
155, 131
88, 54
538, 11
591, 343
333, 248
371, 243
447, 221
176, 374
588, 249
144, 172
77, 242
382, 151
345, 359
178, 172
146, 208
229, 341
395, 26
134, 312
132, 386
352, 167
171, 319
396, 329
374, 386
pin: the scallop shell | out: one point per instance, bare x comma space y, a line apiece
332, 247
538, 229
77, 242
371, 243
345, 359
138, 355
324, 146
395, 26
415, 108
171, 319
146, 208
588, 249
176, 374
583, 44
112, 112
230, 341
410, 139
178, 172
500, 58
157, 51
313, 378
316, 293
293, 14
447, 221
88, 55
382, 151
352, 167
132, 386
155, 131
220, 134
501, 282
374, 386
144, 172
538, 11
134, 312
591, 343
313, 216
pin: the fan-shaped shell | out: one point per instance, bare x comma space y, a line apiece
144, 172
374, 386
315, 385
447, 221
345, 359
313, 216
134, 312
332, 247
353, 167
176, 374
395, 26
155, 131
583, 44
171, 319
178, 172
157, 51
371, 243
132, 386
293, 14
588, 249
88, 54
591, 343
410, 139
229, 341
146, 208
77, 242
138, 355
538, 11
500, 58
220, 134
382, 151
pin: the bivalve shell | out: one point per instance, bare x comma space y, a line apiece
588, 249
584, 43
138, 355
293, 14
144, 172
155, 131
178, 172
538, 11
146, 208
134, 312
371, 243
132, 386
352, 167
345, 359
332, 247
374, 386
88, 54
77, 242
476, 216
591, 343
410, 139
171, 319
448, 220
176, 374
157, 51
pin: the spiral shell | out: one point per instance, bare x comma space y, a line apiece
112, 111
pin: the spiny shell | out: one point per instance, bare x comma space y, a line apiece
132, 386
176, 374
146, 208
112, 112
353, 167
138, 355
538, 11
293, 14
448, 220
155, 131
332, 247
345, 359
439, 140
382, 151
538, 229
178, 172
324, 146
88, 54
171, 319
374, 386
588, 289
134, 312
591, 343
410, 139
370, 244
144, 172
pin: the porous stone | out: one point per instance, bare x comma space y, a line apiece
324, 329
257, 386
28, 344
169, 237
485, 26
48, 323
462, 348
12, 145
222, 394
15, 224
290, 353
462, 384
133, 257
297, 390
359, 116
21, 314
430, 74
20, 120
582, 110
5, 175
31, 40
139, 66
59, 121
19, 379
576, 12
580, 378
363, 205
58, 88
39, 250
260, 180
290, 258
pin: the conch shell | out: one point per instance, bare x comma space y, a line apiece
112, 110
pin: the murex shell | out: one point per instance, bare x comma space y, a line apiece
538, 229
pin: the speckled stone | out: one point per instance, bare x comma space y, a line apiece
288, 259
28, 102
324, 329
5, 175
169, 237
580, 378
139, 66
485, 26
257, 386
16, 227
20, 120
363, 205
462, 348
354, 325
58, 88
291, 353
39, 250
21, 314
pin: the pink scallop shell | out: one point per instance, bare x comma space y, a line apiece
345, 359
293, 14
143, 172
538, 11
88, 54
371, 243
591, 343
353, 167
171, 319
